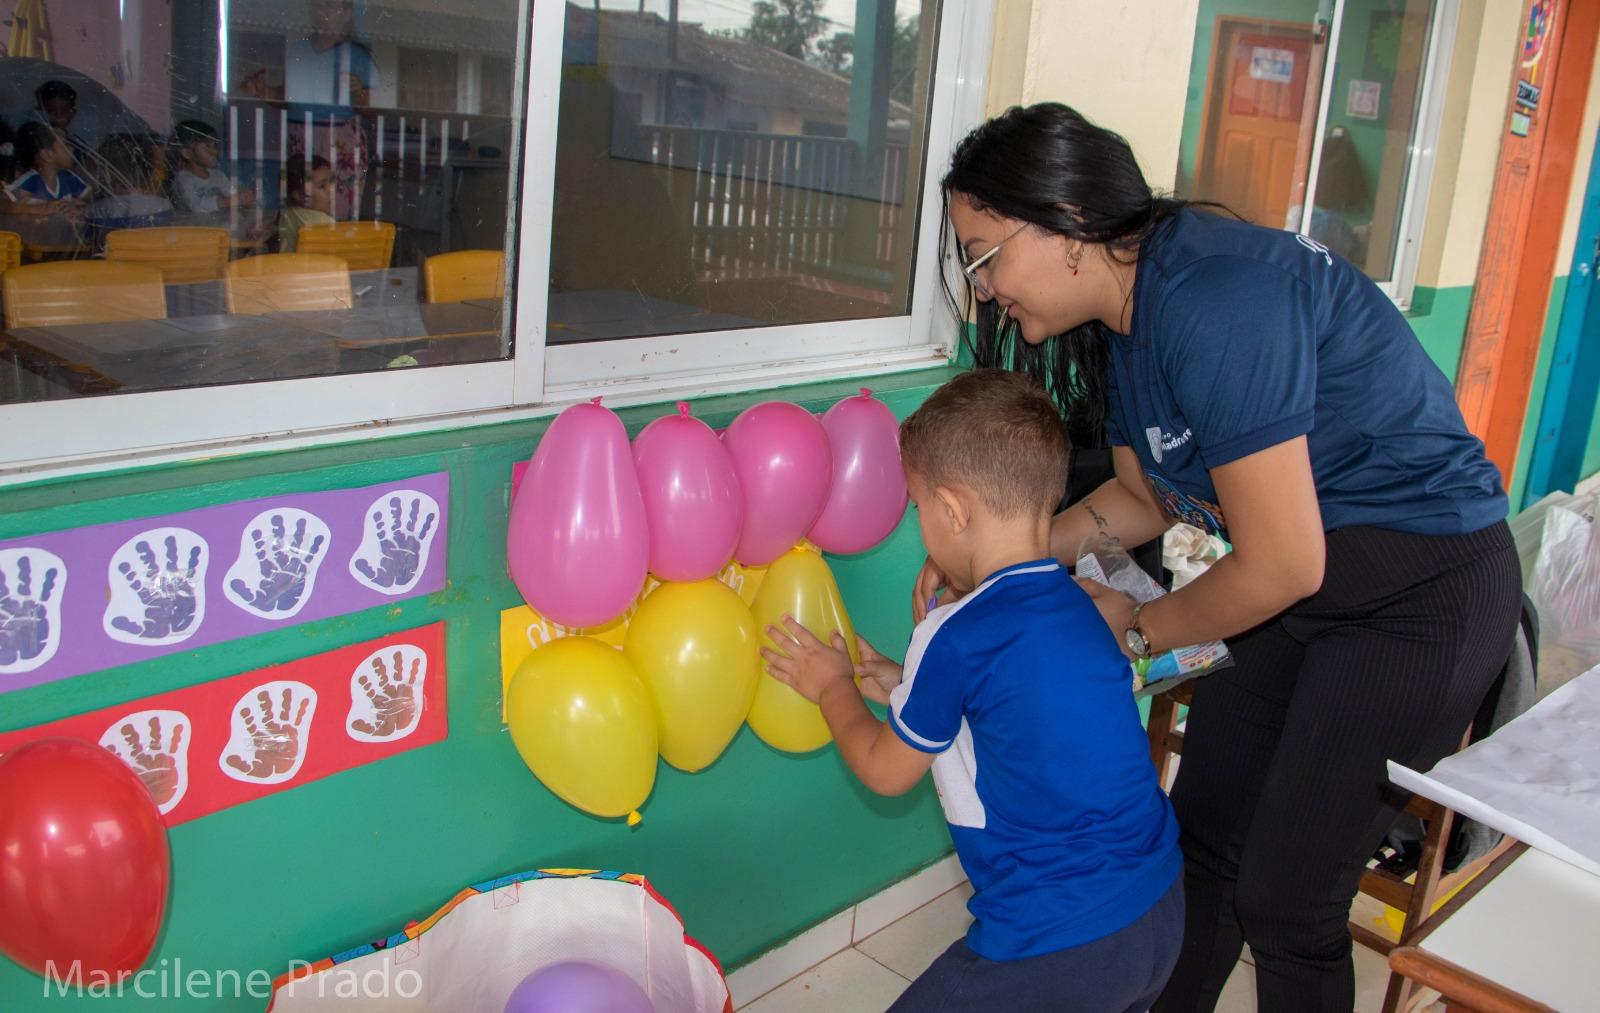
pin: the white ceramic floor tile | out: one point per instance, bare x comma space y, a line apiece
1372, 979
798, 955
1239, 994
890, 905
847, 982
909, 945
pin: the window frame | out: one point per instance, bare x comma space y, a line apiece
48, 439
1401, 284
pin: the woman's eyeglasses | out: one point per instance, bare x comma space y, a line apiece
970, 269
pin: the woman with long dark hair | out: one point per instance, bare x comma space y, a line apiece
1252, 383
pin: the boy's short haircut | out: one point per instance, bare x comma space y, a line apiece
52, 90
194, 131
32, 138
996, 431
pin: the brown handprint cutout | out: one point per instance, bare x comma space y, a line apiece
270, 724
155, 745
386, 694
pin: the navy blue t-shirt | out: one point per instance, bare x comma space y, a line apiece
1244, 337
1043, 768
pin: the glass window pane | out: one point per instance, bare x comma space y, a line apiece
1254, 86
1373, 115
729, 163
220, 191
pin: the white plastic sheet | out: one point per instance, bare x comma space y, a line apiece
1536, 779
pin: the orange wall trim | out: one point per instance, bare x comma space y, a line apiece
1532, 184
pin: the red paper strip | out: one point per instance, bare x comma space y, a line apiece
229, 741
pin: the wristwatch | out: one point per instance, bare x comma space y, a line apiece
1137, 642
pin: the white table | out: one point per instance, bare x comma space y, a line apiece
1524, 936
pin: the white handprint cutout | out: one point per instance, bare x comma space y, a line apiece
158, 593
155, 745
280, 551
386, 694
268, 731
33, 583
395, 539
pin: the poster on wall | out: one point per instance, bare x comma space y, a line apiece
1364, 99
222, 743
1272, 65
96, 597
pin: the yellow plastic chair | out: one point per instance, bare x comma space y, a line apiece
467, 274
67, 292
183, 253
365, 246
10, 250
285, 282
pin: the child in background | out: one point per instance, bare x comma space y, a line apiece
309, 200
48, 185
201, 187
128, 197
1019, 698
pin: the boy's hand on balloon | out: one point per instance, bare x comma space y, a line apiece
805, 662
879, 675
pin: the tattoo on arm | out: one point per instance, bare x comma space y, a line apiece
1100, 522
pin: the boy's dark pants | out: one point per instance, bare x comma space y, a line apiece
1119, 973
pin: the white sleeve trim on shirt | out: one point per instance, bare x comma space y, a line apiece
921, 637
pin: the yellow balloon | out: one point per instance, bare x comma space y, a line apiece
585, 725
694, 645
797, 583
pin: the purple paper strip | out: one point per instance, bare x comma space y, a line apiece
93, 598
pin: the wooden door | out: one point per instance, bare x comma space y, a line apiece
1262, 78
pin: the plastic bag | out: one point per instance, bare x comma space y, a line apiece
1565, 588
1106, 562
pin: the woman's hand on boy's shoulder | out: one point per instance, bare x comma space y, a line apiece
1115, 608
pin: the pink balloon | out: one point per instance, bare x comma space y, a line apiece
868, 494
578, 543
781, 456
691, 497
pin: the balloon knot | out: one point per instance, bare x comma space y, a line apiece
866, 391
594, 400
683, 409
634, 819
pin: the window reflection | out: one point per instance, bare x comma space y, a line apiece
736, 164
292, 202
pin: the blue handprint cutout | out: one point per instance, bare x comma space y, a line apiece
394, 545
157, 598
32, 584
279, 554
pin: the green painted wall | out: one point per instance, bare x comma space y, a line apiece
1439, 318
750, 851
1591, 456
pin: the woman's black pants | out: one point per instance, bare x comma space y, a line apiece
1282, 793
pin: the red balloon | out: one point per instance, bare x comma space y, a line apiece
84, 865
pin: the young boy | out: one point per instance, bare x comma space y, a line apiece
1019, 698
48, 186
201, 187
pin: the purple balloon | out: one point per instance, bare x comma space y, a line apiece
691, 497
781, 455
577, 542
578, 986
868, 494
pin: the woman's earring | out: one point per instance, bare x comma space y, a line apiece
1074, 259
